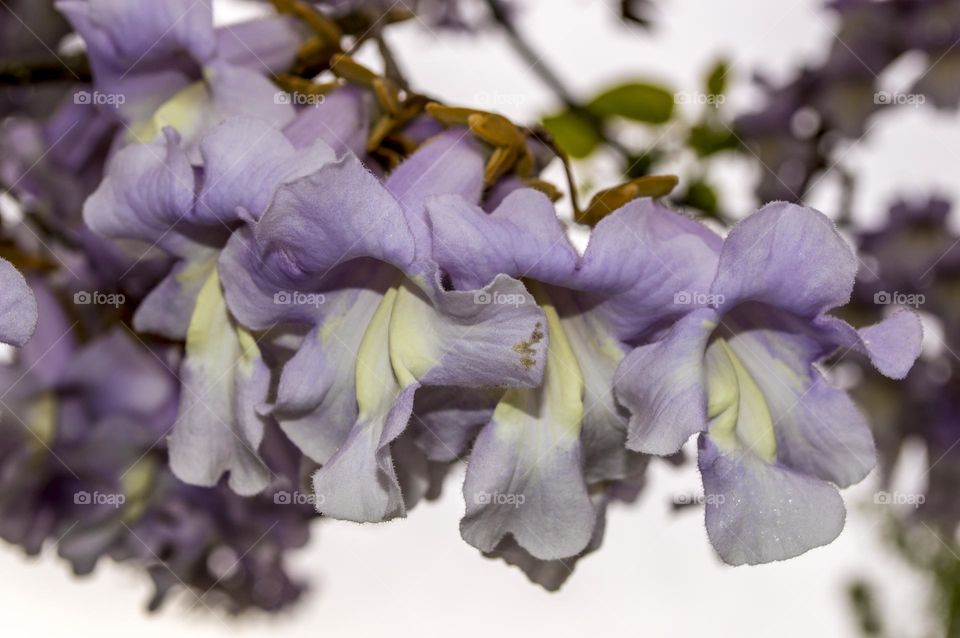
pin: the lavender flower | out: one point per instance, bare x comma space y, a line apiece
381, 324
164, 64
774, 435
535, 464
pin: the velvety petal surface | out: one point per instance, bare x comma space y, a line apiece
18, 307
522, 238
662, 384
757, 513
789, 257
524, 478
218, 429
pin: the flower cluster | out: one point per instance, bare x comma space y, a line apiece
364, 289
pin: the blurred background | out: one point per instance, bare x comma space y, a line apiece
734, 141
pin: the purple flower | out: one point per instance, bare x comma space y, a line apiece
775, 436
82, 462
540, 466
152, 193
347, 257
18, 308
164, 64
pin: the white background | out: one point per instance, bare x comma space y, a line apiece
656, 574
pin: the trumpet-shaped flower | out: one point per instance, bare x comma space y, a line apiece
776, 439
547, 448
348, 257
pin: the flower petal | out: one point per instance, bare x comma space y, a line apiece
552, 574
662, 384
257, 294
339, 213
342, 120
652, 265
316, 403
359, 482
167, 309
266, 45
147, 189
819, 430
491, 337
447, 418
244, 161
523, 238
18, 307
218, 429
126, 43
757, 513
525, 476
451, 163
604, 431
892, 345
789, 257
225, 91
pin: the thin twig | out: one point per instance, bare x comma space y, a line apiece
550, 78
72, 68
391, 67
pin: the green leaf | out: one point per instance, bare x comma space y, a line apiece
573, 133
717, 78
706, 139
701, 196
637, 101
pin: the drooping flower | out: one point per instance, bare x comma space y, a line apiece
776, 439
152, 193
537, 475
347, 257
164, 64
